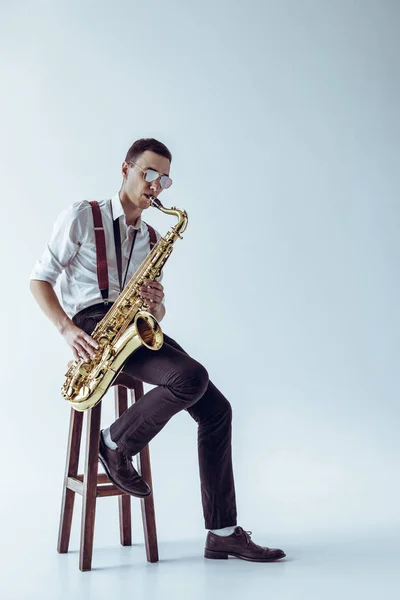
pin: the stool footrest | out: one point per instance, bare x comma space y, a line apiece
75, 485
101, 478
107, 489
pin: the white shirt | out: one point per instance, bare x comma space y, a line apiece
71, 253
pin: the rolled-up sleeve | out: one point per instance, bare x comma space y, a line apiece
64, 244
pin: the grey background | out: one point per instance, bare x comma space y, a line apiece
282, 118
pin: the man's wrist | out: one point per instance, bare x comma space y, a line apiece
63, 323
158, 312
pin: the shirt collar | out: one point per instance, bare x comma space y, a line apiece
118, 212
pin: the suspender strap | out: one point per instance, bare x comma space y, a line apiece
102, 269
101, 253
152, 234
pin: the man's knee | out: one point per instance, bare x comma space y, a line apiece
227, 409
191, 383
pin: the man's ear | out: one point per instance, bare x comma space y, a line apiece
124, 169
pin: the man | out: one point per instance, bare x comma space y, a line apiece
182, 382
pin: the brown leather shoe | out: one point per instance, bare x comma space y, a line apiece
121, 472
239, 544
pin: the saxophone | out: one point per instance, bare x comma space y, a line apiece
125, 327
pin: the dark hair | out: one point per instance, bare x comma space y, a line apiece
144, 144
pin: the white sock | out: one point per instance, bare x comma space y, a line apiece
107, 439
225, 531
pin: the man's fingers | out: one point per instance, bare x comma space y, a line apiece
153, 284
90, 341
155, 297
83, 339
154, 294
83, 345
152, 291
82, 353
86, 345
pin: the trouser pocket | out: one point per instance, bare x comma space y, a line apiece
88, 318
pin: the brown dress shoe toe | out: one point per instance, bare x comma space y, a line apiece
121, 472
239, 544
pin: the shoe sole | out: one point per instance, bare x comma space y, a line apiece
120, 487
221, 555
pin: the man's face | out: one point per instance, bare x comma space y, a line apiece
135, 185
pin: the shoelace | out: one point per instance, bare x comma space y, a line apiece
248, 535
248, 538
125, 460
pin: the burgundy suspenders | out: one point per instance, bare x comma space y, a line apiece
152, 234
102, 268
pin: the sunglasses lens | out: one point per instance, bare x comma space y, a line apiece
151, 175
166, 182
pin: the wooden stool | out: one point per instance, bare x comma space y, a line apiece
91, 485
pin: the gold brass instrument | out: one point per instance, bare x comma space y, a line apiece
125, 327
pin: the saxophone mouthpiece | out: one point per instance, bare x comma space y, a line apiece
153, 201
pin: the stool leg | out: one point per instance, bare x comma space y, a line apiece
124, 501
90, 487
147, 503
71, 470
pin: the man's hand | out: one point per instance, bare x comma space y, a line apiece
83, 346
153, 293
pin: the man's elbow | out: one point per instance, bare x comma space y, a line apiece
37, 284
32, 285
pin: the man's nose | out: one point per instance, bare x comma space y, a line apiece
155, 186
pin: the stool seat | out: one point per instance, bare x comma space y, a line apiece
92, 485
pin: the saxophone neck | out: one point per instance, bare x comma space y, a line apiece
181, 215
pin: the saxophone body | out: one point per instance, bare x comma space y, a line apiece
126, 327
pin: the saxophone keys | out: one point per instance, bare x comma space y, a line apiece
84, 370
